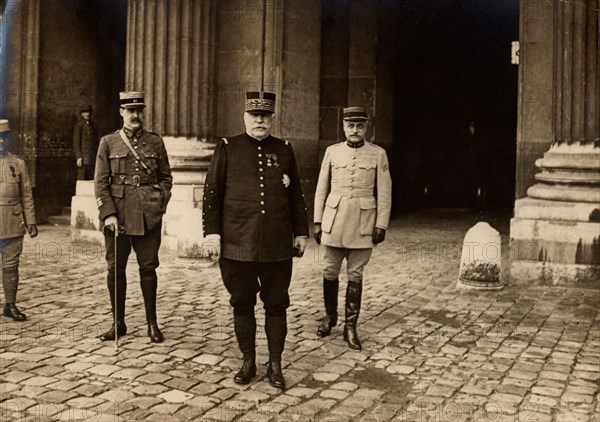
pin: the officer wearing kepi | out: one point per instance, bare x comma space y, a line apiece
17, 215
352, 212
254, 212
133, 186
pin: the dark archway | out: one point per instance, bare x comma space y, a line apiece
452, 67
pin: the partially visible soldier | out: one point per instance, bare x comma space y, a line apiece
85, 144
133, 186
17, 215
352, 212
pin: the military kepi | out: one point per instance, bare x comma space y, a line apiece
4, 126
355, 114
131, 99
260, 101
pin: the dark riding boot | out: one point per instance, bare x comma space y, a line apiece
245, 333
330, 297
353, 299
276, 329
120, 317
10, 282
149, 284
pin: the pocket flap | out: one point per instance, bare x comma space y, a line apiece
333, 200
367, 164
117, 190
151, 154
117, 154
368, 203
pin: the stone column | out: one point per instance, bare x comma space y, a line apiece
555, 234
19, 76
171, 57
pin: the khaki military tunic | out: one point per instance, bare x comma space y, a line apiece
125, 189
16, 200
353, 196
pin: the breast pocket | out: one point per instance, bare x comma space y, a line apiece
331, 208
367, 171
117, 162
151, 159
338, 171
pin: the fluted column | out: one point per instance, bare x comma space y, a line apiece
171, 57
570, 170
555, 232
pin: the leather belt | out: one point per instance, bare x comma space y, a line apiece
134, 180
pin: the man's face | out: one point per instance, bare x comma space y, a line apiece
86, 115
133, 118
355, 131
258, 124
4, 143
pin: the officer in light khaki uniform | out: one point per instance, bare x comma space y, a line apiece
133, 186
352, 212
17, 215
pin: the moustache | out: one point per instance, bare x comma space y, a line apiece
135, 120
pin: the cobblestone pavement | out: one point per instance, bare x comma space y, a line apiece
431, 353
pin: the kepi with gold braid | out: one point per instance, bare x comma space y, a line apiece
260, 102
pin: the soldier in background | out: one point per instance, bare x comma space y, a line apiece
85, 144
17, 215
352, 212
254, 212
133, 186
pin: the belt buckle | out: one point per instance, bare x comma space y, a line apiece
136, 180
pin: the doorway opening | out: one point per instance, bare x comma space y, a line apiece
455, 104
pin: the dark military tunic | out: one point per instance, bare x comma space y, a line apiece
85, 146
254, 200
125, 189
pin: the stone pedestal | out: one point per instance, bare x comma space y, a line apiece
555, 233
182, 224
481, 259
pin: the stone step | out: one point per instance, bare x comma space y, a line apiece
59, 220
66, 210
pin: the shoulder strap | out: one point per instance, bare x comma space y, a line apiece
134, 152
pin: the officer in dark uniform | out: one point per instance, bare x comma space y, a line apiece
16, 216
254, 212
133, 186
85, 144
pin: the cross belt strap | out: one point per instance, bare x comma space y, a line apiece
134, 152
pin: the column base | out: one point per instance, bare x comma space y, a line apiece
182, 224
555, 243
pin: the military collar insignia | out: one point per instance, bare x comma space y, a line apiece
272, 160
131, 134
355, 144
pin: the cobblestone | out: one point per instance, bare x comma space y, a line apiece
429, 351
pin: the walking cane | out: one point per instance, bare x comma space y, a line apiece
116, 230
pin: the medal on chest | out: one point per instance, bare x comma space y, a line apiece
272, 160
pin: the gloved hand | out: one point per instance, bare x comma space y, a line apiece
317, 233
79, 162
213, 246
111, 223
378, 235
299, 245
32, 230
